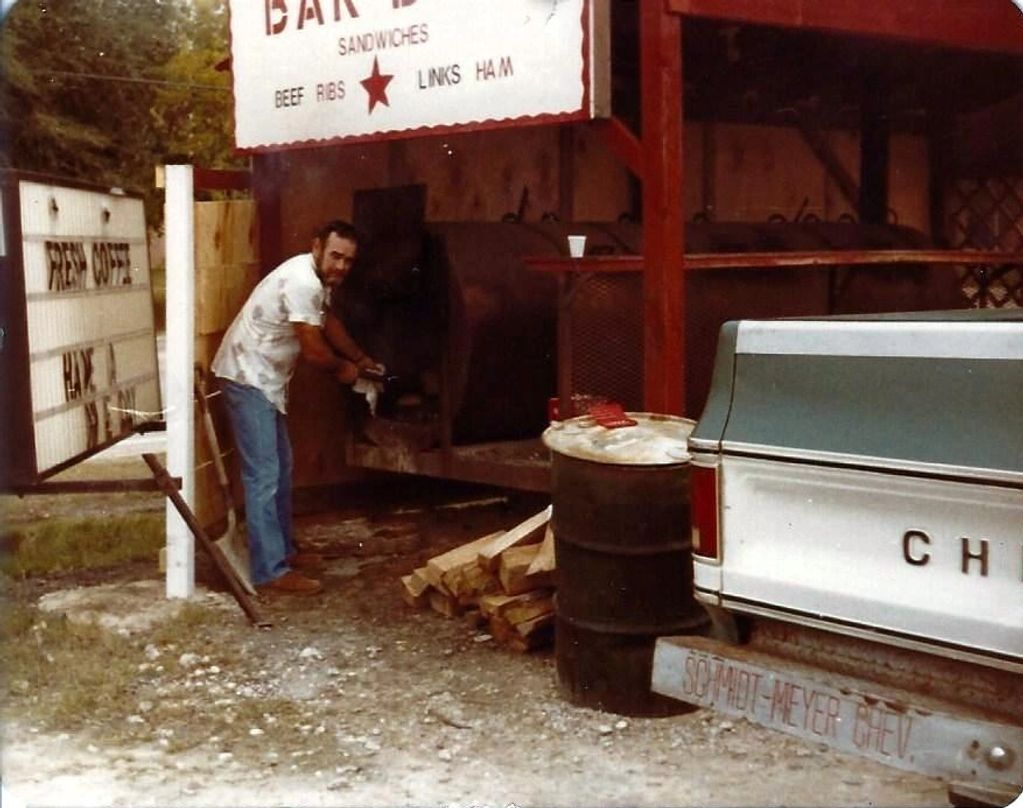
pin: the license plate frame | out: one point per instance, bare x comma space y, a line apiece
896, 728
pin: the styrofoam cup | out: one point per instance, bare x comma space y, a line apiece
576, 246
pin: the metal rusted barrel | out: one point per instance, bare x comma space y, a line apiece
621, 539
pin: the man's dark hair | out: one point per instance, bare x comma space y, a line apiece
340, 227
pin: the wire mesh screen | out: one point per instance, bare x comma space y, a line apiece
988, 215
606, 311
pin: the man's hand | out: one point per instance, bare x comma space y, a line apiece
318, 352
369, 363
347, 372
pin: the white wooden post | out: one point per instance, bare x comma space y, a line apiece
179, 221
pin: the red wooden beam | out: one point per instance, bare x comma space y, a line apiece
990, 25
221, 179
623, 144
664, 294
771, 260
831, 258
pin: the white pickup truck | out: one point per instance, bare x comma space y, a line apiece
857, 522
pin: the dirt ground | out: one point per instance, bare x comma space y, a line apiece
352, 698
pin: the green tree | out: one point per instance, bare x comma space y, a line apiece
193, 110
103, 90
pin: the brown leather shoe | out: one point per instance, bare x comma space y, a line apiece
294, 583
304, 561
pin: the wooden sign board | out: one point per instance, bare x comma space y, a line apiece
308, 72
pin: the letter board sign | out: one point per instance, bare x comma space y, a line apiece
79, 357
315, 71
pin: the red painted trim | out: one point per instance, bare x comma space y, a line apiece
664, 292
624, 145
423, 131
772, 260
218, 179
991, 25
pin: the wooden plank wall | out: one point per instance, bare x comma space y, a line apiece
469, 176
741, 172
759, 171
745, 173
226, 269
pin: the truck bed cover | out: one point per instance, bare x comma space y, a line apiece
928, 393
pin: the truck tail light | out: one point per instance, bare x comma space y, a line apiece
703, 490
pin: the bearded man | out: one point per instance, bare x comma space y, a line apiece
286, 316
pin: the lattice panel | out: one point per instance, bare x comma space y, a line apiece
607, 338
988, 215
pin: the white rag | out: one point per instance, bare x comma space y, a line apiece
371, 390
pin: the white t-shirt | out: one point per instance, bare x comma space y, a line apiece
261, 347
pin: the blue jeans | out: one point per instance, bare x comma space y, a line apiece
261, 435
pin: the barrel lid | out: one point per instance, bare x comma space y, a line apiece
655, 440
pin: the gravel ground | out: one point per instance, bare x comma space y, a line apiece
355, 699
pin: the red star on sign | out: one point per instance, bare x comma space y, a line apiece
376, 86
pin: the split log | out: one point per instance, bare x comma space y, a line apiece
496, 604
419, 580
544, 561
502, 580
513, 567
534, 633
514, 570
490, 605
524, 636
444, 569
415, 589
524, 611
471, 583
528, 532
501, 630
444, 604
527, 628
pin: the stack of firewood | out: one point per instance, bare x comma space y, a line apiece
504, 580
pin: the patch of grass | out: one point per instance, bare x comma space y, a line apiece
15, 621
61, 545
67, 675
189, 622
62, 673
231, 724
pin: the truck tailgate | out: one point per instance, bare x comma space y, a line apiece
929, 559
